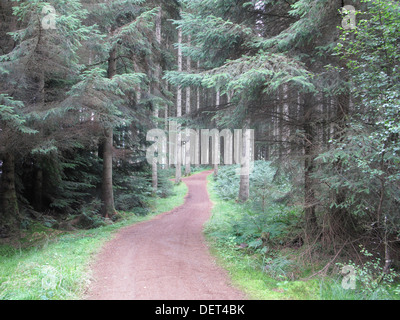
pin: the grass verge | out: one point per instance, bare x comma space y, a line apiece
244, 270
279, 274
53, 265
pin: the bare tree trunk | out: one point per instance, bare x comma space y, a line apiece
188, 110
244, 185
178, 166
309, 165
154, 165
217, 103
198, 89
166, 125
38, 192
338, 215
154, 175
108, 209
388, 260
9, 195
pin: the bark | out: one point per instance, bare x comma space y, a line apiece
166, 126
338, 215
178, 166
9, 198
309, 165
388, 260
108, 209
154, 165
38, 192
217, 103
187, 156
154, 175
188, 110
244, 185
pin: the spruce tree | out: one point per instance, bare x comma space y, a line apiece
31, 69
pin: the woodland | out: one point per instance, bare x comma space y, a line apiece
83, 81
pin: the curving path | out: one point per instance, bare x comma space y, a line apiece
165, 258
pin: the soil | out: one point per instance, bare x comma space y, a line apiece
166, 258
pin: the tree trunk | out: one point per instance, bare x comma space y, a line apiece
309, 165
154, 165
188, 110
178, 166
338, 216
217, 103
9, 199
108, 209
38, 192
244, 186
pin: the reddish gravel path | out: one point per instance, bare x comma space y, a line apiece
165, 258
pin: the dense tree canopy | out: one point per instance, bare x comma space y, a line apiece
83, 81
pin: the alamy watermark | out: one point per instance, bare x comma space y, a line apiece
349, 279
201, 146
349, 20
49, 19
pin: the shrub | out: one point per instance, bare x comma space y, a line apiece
265, 215
368, 280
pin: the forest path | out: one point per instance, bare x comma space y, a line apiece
165, 258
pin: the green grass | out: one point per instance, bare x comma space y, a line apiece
244, 270
49, 265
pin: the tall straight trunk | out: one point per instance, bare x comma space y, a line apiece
108, 209
198, 89
188, 110
244, 184
178, 166
338, 217
217, 103
38, 192
309, 164
38, 78
154, 165
9, 196
198, 93
166, 125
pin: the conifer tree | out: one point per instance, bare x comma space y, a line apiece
31, 68
126, 30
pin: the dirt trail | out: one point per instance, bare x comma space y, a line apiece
165, 258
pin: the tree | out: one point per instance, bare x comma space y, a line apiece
31, 68
227, 38
12, 124
178, 165
368, 148
125, 28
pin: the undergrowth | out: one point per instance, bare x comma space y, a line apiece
259, 242
49, 264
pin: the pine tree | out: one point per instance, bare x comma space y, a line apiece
31, 68
227, 38
13, 129
126, 28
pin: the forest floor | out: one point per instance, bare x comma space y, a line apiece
166, 258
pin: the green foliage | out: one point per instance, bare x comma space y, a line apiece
364, 160
370, 280
74, 179
264, 220
256, 267
10, 114
58, 266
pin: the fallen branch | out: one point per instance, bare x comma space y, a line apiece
327, 266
